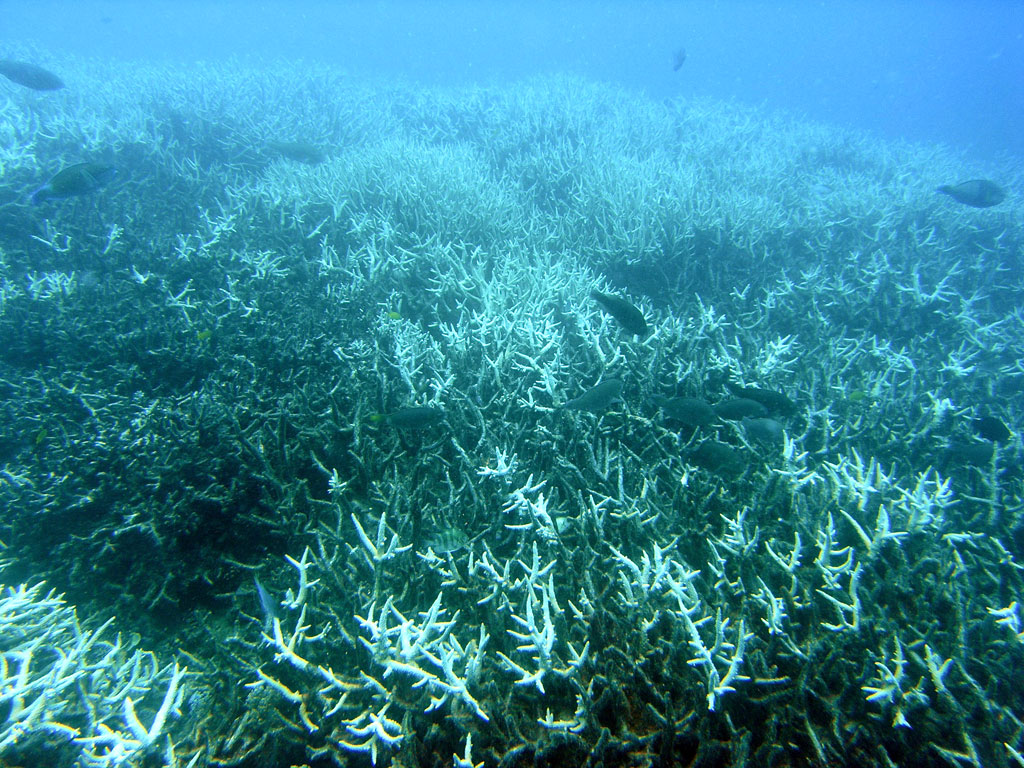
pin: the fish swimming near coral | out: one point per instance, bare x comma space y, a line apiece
991, 428
765, 431
30, 76
267, 605
299, 151
740, 408
628, 316
447, 539
77, 179
597, 398
691, 411
977, 193
972, 454
775, 402
720, 458
416, 417
678, 58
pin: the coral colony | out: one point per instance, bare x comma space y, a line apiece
311, 413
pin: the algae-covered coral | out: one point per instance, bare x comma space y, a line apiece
196, 359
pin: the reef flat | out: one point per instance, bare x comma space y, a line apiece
299, 424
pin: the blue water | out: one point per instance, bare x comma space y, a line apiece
947, 71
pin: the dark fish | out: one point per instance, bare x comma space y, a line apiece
628, 316
77, 179
691, 411
598, 398
991, 428
973, 454
740, 408
776, 402
30, 76
720, 458
678, 58
978, 193
417, 417
299, 151
764, 431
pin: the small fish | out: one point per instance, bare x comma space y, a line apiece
775, 402
628, 316
740, 408
392, 315
30, 76
597, 398
977, 193
991, 428
77, 179
299, 151
267, 605
417, 417
691, 411
678, 59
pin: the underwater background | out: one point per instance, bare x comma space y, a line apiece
511, 384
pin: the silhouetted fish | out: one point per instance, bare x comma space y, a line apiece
678, 58
77, 179
30, 76
978, 193
991, 428
764, 431
691, 411
720, 458
973, 454
740, 408
597, 398
299, 151
776, 402
628, 316
417, 417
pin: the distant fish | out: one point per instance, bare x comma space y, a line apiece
691, 411
598, 398
77, 179
972, 454
628, 316
765, 431
978, 193
991, 428
740, 408
30, 76
678, 58
417, 417
775, 402
299, 151
720, 458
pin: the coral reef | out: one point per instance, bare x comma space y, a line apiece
203, 360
